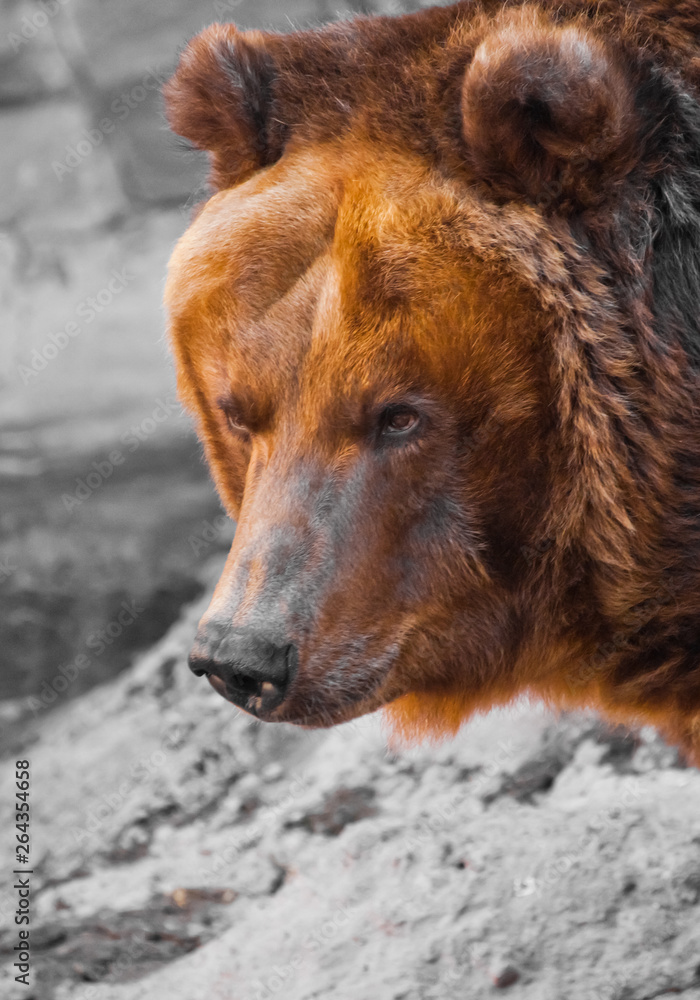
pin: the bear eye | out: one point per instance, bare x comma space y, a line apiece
236, 424
398, 421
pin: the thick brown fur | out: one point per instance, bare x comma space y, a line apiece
489, 214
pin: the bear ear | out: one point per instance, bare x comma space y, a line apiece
220, 99
548, 112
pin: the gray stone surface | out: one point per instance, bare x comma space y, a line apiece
109, 60
126, 40
223, 859
32, 66
58, 176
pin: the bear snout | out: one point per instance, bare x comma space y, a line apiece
245, 666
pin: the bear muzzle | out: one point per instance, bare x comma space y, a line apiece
244, 666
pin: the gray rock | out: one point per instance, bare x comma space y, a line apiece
31, 65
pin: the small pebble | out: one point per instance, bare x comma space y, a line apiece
505, 977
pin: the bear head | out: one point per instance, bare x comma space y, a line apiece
410, 323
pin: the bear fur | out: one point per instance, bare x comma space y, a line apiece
438, 325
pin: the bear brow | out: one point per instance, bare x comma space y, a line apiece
242, 406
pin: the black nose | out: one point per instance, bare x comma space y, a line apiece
244, 665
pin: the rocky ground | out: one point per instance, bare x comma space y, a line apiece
181, 850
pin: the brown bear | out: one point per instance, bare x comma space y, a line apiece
438, 326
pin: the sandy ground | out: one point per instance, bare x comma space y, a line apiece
200, 855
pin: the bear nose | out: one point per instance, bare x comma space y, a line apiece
244, 666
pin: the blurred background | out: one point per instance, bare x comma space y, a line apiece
108, 515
